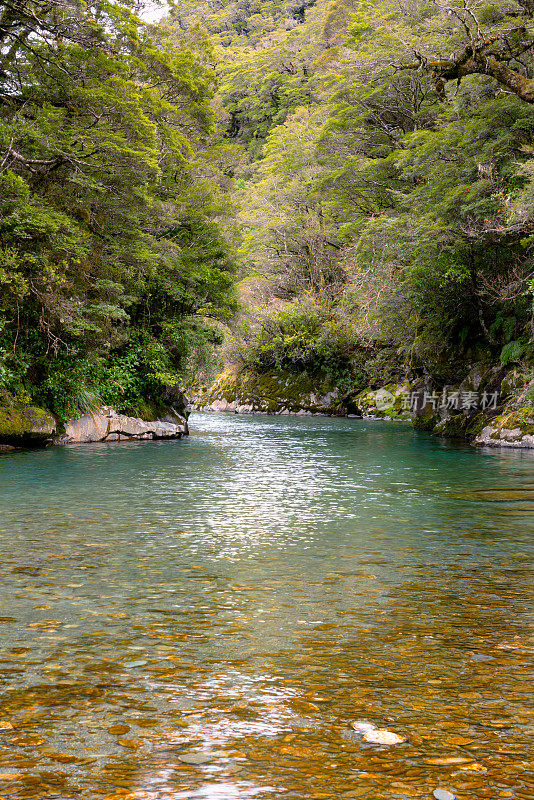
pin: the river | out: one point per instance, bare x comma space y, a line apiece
205, 618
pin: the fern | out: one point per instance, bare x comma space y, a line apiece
512, 352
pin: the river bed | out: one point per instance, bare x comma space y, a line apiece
205, 618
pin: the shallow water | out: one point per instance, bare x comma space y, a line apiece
204, 618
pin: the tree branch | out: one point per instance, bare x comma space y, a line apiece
480, 59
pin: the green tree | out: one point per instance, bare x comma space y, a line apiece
101, 125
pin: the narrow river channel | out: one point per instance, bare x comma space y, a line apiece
205, 618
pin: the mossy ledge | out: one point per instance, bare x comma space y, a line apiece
270, 393
22, 424
283, 392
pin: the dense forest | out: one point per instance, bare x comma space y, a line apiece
341, 188
114, 275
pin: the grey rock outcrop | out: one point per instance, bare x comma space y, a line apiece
495, 436
108, 426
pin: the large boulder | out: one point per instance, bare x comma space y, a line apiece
108, 426
461, 411
464, 426
508, 432
176, 403
24, 424
89, 428
389, 402
424, 410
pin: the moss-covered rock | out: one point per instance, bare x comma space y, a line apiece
460, 426
426, 419
387, 402
477, 377
24, 423
287, 393
512, 384
508, 430
270, 393
514, 425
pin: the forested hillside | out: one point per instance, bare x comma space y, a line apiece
385, 192
114, 277
365, 167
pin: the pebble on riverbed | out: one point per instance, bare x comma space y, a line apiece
378, 736
194, 758
443, 794
375, 735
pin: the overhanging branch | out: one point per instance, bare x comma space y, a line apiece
480, 58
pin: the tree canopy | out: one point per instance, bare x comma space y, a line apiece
391, 194
108, 253
366, 168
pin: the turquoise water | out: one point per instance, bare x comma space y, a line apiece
204, 618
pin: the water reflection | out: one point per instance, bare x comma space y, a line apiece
203, 619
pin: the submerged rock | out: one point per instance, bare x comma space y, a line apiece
443, 794
375, 735
194, 758
108, 426
362, 727
382, 736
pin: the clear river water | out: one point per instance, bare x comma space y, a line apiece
206, 618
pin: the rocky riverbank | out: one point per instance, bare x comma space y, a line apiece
23, 425
108, 426
491, 406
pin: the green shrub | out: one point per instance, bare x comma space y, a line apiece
512, 351
303, 336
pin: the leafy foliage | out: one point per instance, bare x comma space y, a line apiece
302, 336
369, 165
111, 269
393, 197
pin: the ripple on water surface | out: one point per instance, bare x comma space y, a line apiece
206, 618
